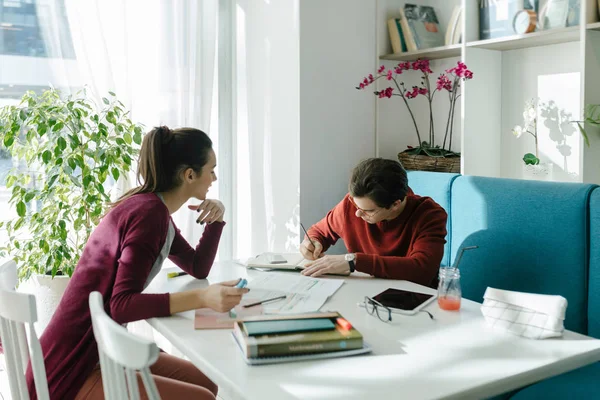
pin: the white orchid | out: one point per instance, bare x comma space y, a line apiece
529, 126
517, 131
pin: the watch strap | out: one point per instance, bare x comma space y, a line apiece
352, 265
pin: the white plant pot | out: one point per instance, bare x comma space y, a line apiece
48, 291
540, 172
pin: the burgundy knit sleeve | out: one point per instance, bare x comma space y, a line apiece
145, 232
197, 262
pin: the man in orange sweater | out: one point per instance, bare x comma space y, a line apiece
388, 230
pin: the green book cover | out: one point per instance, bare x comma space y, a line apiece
404, 49
254, 328
298, 343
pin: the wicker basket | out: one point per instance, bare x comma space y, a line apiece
426, 163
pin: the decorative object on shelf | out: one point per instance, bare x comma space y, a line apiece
554, 14
426, 156
67, 149
532, 167
525, 21
420, 27
496, 17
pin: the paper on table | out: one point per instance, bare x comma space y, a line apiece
304, 294
206, 318
300, 284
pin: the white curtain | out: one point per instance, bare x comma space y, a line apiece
158, 56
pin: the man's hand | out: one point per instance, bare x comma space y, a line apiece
210, 211
310, 251
327, 265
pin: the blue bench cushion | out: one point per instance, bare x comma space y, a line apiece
437, 186
594, 279
583, 383
533, 237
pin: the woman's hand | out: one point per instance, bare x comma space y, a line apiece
222, 297
210, 211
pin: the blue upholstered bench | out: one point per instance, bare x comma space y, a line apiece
540, 237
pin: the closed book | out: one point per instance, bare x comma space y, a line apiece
396, 36
269, 327
285, 344
424, 26
411, 44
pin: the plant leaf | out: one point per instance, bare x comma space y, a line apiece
21, 209
584, 134
531, 159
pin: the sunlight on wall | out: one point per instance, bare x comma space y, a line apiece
243, 218
559, 140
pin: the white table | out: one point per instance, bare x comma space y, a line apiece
455, 356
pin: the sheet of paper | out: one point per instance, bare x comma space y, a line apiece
295, 283
293, 303
205, 318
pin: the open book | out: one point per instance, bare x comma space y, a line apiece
294, 261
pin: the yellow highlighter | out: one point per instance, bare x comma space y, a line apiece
175, 274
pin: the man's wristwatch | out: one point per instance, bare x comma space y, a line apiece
350, 257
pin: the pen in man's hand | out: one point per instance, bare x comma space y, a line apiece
264, 301
308, 237
176, 274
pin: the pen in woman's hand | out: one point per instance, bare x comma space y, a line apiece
308, 237
265, 301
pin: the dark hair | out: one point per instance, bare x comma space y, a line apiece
165, 153
383, 181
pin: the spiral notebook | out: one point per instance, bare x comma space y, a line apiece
302, 357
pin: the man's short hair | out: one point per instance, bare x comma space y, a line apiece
383, 181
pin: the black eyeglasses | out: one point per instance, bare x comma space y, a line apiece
374, 307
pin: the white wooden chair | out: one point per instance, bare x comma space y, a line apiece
121, 354
18, 310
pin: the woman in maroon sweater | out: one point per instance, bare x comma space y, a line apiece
122, 256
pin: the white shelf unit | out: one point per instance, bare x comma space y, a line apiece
560, 66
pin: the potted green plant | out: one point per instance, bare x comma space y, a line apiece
67, 152
426, 155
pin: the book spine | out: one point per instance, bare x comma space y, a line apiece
402, 41
286, 349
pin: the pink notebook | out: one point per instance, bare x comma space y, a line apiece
209, 319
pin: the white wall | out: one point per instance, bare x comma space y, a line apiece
337, 48
535, 72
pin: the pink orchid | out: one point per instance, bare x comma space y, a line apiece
448, 81
386, 93
444, 83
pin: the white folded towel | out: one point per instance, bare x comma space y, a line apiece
535, 316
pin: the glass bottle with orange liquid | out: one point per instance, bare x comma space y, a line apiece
449, 291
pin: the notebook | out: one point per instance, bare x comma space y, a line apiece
254, 328
302, 357
294, 262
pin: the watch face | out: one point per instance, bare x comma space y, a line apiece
349, 257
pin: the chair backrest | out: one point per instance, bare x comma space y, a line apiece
18, 312
121, 354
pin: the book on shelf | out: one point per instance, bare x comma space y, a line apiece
396, 36
421, 27
454, 31
296, 342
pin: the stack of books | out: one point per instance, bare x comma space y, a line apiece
280, 338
